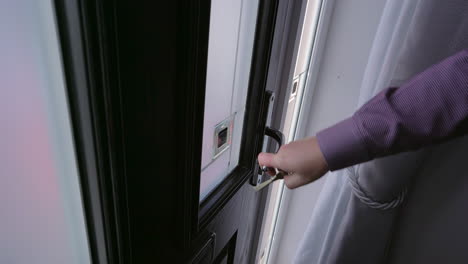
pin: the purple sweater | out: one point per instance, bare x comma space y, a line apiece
429, 109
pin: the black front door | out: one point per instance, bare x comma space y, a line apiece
167, 167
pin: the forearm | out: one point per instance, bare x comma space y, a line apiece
430, 108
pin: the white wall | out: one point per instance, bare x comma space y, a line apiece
41, 214
352, 27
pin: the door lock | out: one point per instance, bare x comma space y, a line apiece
278, 174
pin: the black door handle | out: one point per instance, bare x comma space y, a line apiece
279, 138
276, 135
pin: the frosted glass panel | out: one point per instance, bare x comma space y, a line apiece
41, 214
232, 30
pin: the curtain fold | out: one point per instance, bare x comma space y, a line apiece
336, 196
412, 35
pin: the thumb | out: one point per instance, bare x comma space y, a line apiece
267, 159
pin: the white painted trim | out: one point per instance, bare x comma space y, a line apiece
314, 66
318, 47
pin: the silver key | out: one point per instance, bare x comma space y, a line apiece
278, 176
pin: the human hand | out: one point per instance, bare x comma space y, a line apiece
303, 159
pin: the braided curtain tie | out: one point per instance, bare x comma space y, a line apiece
365, 199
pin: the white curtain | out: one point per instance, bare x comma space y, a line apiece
412, 35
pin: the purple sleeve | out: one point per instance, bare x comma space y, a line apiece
429, 109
